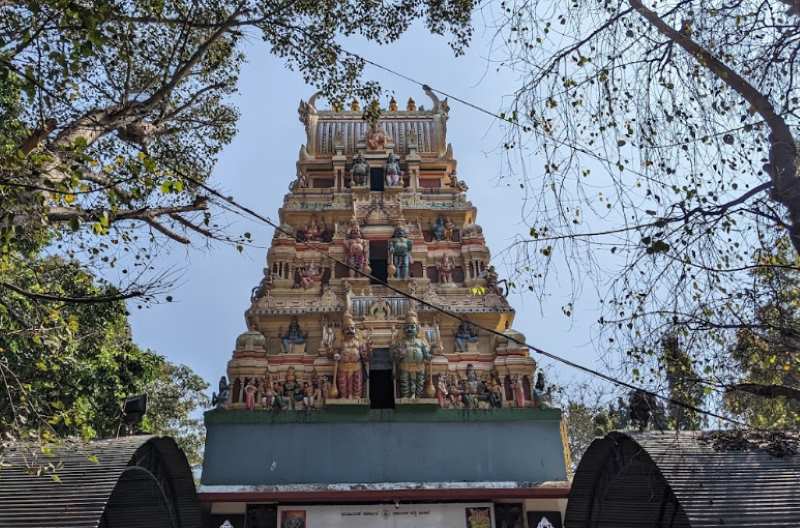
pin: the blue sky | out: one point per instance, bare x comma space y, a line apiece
199, 327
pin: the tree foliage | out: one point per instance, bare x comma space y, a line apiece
175, 397
112, 115
589, 414
684, 384
670, 162
67, 367
120, 108
767, 354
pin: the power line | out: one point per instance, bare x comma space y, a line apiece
456, 316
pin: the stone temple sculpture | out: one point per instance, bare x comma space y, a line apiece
356, 249
376, 213
393, 172
359, 170
348, 357
411, 353
400, 251
294, 336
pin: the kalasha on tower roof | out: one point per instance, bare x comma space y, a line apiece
345, 357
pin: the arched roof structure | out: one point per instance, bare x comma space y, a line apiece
684, 480
129, 482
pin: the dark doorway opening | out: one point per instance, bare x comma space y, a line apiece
261, 516
376, 179
378, 261
381, 382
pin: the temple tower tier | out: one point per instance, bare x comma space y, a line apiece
383, 199
339, 379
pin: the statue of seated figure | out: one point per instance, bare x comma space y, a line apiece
294, 336
465, 335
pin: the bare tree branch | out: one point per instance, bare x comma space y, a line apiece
74, 300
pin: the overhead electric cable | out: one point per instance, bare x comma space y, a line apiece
323, 252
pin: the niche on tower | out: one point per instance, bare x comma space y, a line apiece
378, 260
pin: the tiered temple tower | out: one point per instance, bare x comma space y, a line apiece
383, 200
339, 380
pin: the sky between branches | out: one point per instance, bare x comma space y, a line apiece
201, 324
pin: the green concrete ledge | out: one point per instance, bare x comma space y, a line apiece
360, 414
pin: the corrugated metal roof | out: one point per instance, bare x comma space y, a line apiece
676, 479
129, 479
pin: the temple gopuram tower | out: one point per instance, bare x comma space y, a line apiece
347, 402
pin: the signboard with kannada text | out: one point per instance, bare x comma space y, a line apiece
471, 515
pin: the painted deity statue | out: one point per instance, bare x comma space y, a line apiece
351, 350
442, 393
313, 230
359, 170
465, 334
472, 386
356, 248
250, 391
400, 253
445, 269
308, 276
518, 388
493, 283
264, 287
541, 396
393, 172
495, 393
449, 230
328, 334
411, 353
294, 336
292, 390
438, 228
433, 336
220, 399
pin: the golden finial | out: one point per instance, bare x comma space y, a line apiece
337, 106
354, 106
411, 106
393, 104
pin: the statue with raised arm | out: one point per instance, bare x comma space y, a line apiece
263, 287
411, 354
540, 395
350, 352
394, 176
400, 253
500, 287
219, 400
360, 170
